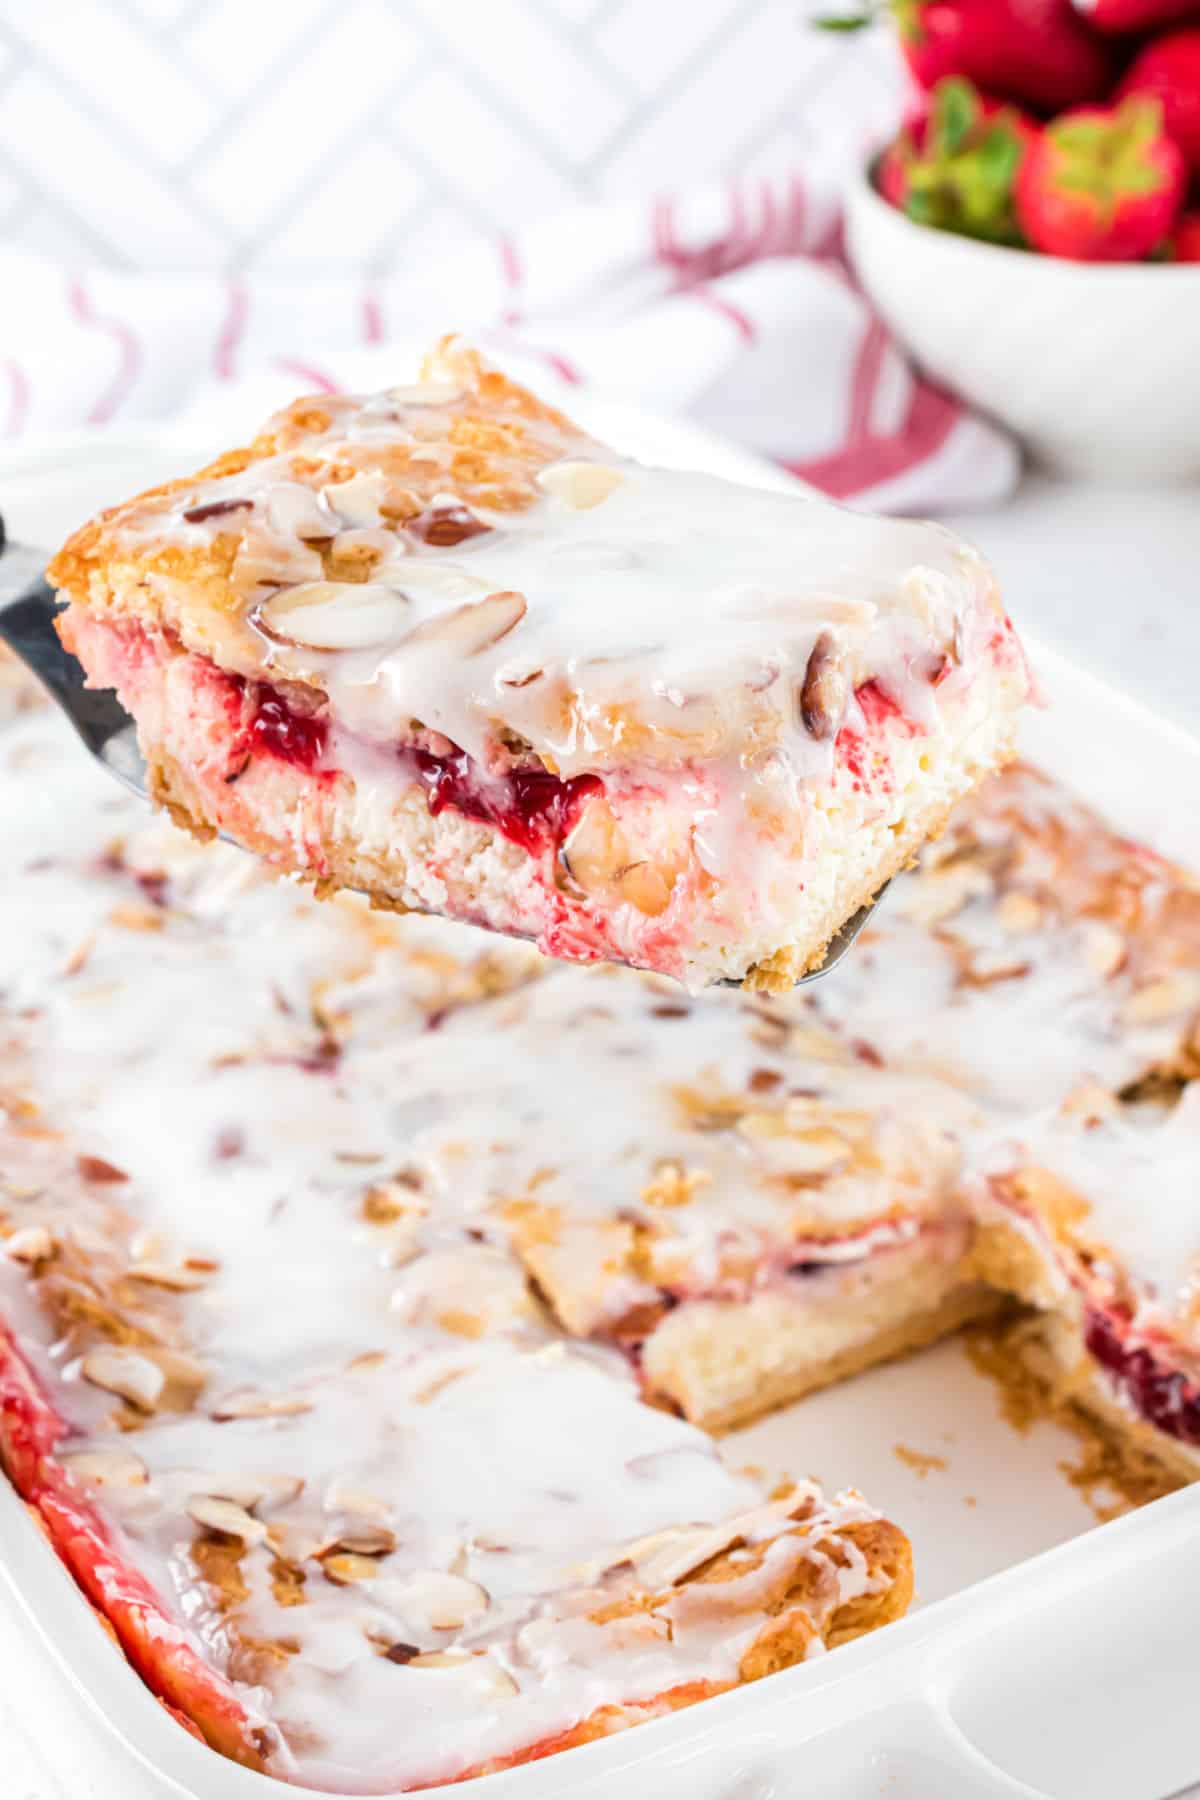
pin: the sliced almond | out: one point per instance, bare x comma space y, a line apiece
486, 1674
167, 1275
391, 1202
445, 524
182, 1371
596, 849
294, 510
817, 1151
939, 894
98, 1168
334, 615
126, 1373
425, 393
80, 955
1019, 912
225, 1516
361, 1538
107, 1468
358, 500
431, 579
668, 1563
1090, 1102
597, 857
249, 1405
30, 1244
343, 1496
674, 1184
1104, 947
825, 690
346, 1567
580, 485
137, 918
646, 888
796, 1504
432, 1600
266, 560
1165, 999
473, 627
253, 1490
628, 1633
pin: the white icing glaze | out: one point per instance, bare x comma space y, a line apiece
1140, 1173
594, 672
256, 1064
177, 1016
757, 576
1067, 1009
770, 689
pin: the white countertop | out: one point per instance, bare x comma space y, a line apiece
1111, 576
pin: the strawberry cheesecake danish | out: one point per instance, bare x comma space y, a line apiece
298, 1424
440, 646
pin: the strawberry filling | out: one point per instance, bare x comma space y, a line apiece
288, 735
797, 1264
530, 806
1164, 1397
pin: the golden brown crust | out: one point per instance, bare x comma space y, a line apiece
798, 1612
779, 972
781, 1386
485, 449
1035, 1380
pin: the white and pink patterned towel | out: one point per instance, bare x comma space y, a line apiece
733, 306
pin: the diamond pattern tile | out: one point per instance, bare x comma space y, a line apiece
337, 134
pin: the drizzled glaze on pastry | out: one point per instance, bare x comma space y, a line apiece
457, 556
267, 1163
328, 1417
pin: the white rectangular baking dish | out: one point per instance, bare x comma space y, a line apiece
1045, 1658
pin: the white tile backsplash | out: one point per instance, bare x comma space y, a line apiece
345, 134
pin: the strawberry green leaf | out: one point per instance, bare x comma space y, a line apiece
955, 115
846, 21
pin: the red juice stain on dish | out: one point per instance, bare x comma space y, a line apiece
1163, 1396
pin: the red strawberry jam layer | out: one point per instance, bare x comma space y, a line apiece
1163, 1396
289, 735
530, 806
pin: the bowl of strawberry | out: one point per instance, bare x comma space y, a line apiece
1032, 231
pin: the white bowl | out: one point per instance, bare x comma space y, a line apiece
1095, 366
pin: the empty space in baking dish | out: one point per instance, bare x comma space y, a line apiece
1045, 1677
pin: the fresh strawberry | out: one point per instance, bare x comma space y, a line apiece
1039, 52
1183, 245
1169, 70
1101, 184
1135, 15
956, 166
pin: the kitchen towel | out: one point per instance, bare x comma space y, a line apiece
732, 305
